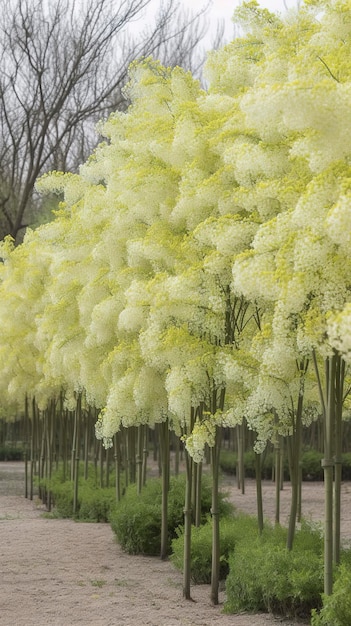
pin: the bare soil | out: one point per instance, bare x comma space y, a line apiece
63, 573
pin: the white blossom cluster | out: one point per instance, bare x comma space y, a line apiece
202, 254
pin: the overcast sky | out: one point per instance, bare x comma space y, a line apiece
220, 9
225, 8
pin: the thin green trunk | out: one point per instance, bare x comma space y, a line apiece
32, 449
101, 470
328, 475
165, 458
197, 518
74, 443
259, 492
294, 477
117, 457
108, 463
131, 438
340, 376
215, 519
139, 458
145, 454
25, 453
187, 528
295, 454
87, 422
193, 491
177, 456
277, 476
242, 456
77, 419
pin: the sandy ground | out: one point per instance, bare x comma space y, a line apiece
63, 573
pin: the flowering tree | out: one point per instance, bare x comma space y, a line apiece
297, 258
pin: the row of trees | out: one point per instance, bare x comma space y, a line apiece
197, 271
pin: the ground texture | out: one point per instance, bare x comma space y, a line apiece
63, 573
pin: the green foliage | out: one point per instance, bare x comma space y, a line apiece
231, 529
336, 610
265, 576
228, 464
9, 452
136, 519
310, 464
94, 502
346, 466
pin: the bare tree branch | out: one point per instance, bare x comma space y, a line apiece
64, 66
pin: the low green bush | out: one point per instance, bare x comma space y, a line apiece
231, 529
61, 494
94, 502
136, 519
336, 610
311, 466
265, 576
346, 466
9, 452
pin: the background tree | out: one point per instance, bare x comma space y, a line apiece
64, 69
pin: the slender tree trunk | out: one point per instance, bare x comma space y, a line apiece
165, 456
240, 461
294, 455
117, 457
328, 475
87, 422
259, 492
131, 438
25, 454
108, 463
193, 491
32, 448
74, 443
177, 456
139, 458
215, 518
277, 477
77, 419
187, 528
242, 428
339, 392
197, 518
101, 459
145, 454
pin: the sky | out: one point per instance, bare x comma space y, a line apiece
220, 9
224, 8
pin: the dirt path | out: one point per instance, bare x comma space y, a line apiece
62, 573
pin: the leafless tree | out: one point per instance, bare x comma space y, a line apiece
63, 65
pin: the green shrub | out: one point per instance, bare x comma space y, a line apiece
9, 452
228, 464
311, 465
227, 461
94, 502
265, 576
136, 519
346, 466
336, 610
61, 496
231, 529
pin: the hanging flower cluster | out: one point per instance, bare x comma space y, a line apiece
202, 251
